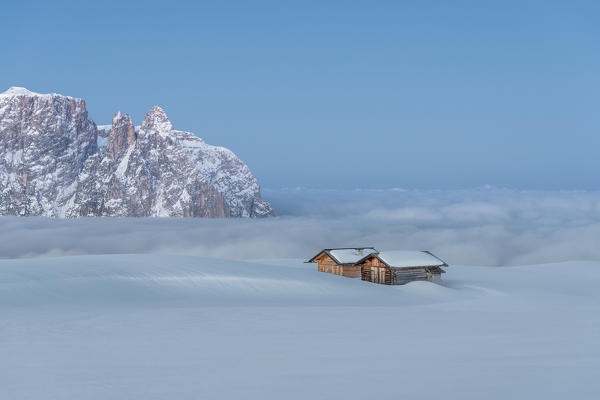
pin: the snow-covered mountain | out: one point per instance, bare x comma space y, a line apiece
55, 161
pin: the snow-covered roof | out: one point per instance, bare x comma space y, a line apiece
406, 258
350, 255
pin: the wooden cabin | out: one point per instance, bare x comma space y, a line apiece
342, 261
401, 267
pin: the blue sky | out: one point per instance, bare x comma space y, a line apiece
338, 94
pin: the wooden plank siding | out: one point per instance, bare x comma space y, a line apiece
328, 265
373, 270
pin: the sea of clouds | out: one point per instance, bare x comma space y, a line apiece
486, 226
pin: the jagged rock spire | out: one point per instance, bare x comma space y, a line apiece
122, 135
157, 121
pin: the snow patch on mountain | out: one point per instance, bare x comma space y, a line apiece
18, 91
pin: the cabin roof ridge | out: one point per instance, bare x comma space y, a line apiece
350, 248
329, 251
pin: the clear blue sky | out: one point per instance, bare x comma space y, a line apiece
340, 94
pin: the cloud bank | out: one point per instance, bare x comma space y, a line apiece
486, 226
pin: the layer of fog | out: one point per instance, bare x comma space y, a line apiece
486, 226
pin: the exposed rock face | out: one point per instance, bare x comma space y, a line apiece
44, 143
55, 162
121, 136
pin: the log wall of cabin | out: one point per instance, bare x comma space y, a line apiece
374, 262
401, 276
351, 271
327, 265
365, 273
371, 270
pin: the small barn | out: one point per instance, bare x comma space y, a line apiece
342, 261
401, 267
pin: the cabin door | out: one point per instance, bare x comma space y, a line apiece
377, 275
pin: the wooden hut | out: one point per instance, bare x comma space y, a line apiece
342, 261
401, 267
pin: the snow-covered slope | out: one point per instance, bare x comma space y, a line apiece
163, 326
54, 161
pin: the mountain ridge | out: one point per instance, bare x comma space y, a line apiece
56, 162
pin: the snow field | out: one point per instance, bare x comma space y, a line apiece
171, 326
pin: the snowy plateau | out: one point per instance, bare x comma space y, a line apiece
143, 326
55, 162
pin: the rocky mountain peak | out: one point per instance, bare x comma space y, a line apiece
122, 135
121, 120
117, 116
18, 91
45, 141
21, 92
156, 121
